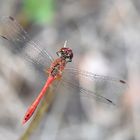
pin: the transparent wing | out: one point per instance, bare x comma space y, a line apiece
100, 88
20, 40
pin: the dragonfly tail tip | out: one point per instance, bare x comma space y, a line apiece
23, 122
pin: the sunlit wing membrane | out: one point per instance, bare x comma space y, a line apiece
20, 40
102, 88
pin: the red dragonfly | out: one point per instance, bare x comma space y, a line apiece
14, 33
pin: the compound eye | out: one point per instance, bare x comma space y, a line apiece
71, 55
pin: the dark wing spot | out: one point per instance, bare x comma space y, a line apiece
110, 101
11, 18
122, 81
4, 37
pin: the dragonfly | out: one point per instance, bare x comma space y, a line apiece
57, 68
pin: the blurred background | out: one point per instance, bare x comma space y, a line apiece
104, 36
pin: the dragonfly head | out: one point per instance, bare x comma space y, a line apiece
65, 53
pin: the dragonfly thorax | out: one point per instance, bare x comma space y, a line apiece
57, 68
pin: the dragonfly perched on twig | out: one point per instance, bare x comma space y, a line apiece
57, 68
